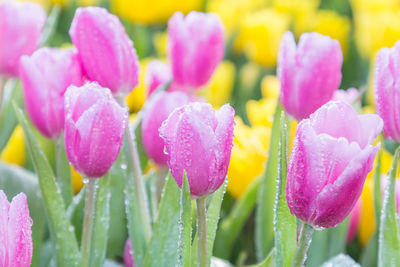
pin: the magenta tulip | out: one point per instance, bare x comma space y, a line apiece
21, 24
94, 128
157, 110
128, 257
106, 52
387, 90
15, 232
309, 73
157, 73
332, 154
45, 76
198, 140
196, 46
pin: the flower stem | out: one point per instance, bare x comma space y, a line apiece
87, 231
202, 231
303, 244
138, 178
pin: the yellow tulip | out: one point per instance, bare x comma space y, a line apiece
14, 152
332, 24
260, 35
301, 12
248, 157
156, 11
135, 100
77, 182
219, 89
270, 87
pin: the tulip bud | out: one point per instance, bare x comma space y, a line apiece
387, 90
196, 46
198, 140
332, 154
157, 110
15, 232
45, 76
309, 73
94, 129
106, 52
157, 73
128, 257
21, 24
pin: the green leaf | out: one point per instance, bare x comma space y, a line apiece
213, 212
13, 180
341, 260
61, 228
118, 232
50, 26
75, 212
230, 226
269, 261
185, 225
8, 119
101, 222
63, 171
264, 233
284, 222
377, 189
389, 242
369, 254
163, 246
132, 211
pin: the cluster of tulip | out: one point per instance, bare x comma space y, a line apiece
77, 98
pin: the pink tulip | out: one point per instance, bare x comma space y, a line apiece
15, 232
157, 73
198, 140
45, 76
94, 128
128, 257
106, 52
309, 73
157, 110
196, 46
332, 154
21, 24
387, 90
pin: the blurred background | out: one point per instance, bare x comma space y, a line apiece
246, 79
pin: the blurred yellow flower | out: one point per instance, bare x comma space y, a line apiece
301, 12
219, 89
14, 152
160, 43
332, 24
135, 100
373, 5
270, 87
155, 11
233, 12
260, 35
248, 157
367, 218
77, 182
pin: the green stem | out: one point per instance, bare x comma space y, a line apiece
202, 231
63, 180
303, 244
87, 231
138, 178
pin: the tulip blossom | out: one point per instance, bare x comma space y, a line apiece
387, 90
332, 154
198, 140
349, 96
128, 257
309, 73
45, 76
157, 73
94, 129
15, 232
157, 110
196, 46
106, 52
21, 24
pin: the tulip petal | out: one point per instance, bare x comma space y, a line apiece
4, 215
